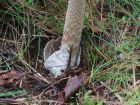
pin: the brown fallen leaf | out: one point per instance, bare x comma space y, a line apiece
71, 88
9, 77
3, 71
8, 74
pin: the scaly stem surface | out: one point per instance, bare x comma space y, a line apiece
73, 23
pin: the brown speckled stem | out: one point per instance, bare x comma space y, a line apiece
73, 24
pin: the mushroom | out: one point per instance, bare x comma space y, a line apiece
64, 53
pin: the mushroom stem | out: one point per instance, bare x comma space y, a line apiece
73, 30
68, 56
73, 23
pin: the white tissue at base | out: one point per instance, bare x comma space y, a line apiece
57, 62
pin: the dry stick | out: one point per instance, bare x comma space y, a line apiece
37, 75
134, 75
90, 5
117, 95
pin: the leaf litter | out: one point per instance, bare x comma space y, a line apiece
72, 86
10, 77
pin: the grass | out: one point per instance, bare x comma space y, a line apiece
119, 74
111, 41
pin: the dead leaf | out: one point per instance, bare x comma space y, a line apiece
72, 86
9, 77
8, 74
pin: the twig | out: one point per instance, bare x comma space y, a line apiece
117, 95
134, 76
37, 75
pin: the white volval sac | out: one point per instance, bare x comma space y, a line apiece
57, 62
